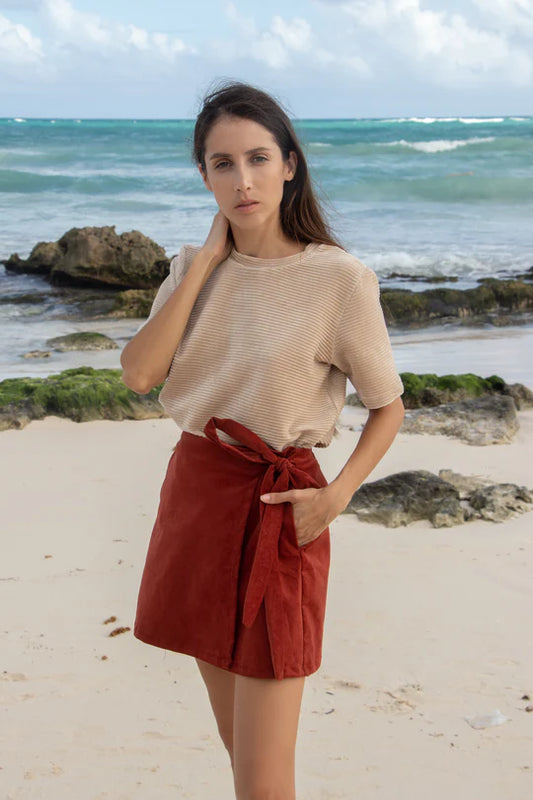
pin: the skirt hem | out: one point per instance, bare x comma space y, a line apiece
216, 660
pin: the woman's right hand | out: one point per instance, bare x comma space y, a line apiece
219, 241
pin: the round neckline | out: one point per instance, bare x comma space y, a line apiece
284, 261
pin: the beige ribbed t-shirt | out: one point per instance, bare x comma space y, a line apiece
270, 343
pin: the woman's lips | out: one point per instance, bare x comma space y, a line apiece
247, 207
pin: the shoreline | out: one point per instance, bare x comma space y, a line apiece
423, 627
443, 349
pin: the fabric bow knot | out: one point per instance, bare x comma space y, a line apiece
265, 579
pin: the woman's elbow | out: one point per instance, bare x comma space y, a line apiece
395, 408
130, 376
133, 383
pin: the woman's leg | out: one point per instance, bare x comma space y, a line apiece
265, 726
220, 685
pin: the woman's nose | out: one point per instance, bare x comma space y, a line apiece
242, 180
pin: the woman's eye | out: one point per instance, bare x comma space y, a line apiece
223, 163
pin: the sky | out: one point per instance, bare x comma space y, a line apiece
321, 58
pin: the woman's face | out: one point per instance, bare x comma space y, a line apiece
244, 162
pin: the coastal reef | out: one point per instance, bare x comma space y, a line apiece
475, 409
495, 301
81, 394
128, 269
93, 256
428, 389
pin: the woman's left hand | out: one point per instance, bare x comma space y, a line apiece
313, 510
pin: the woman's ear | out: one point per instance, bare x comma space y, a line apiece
204, 178
291, 164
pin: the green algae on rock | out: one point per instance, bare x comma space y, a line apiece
429, 389
81, 394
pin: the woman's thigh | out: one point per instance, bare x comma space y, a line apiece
265, 726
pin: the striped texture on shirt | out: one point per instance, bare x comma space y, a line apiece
270, 343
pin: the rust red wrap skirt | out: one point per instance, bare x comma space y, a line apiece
225, 579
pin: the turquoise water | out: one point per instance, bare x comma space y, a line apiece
418, 196
421, 196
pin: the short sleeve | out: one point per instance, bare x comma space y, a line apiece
176, 272
362, 348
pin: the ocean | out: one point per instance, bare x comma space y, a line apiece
415, 196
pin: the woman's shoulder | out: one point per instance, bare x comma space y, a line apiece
341, 262
180, 262
186, 253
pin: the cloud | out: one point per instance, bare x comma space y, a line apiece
340, 54
20, 4
295, 36
511, 15
87, 31
454, 49
283, 44
18, 46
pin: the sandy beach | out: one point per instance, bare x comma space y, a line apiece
424, 627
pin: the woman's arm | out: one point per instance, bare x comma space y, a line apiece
314, 509
147, 357
376, 437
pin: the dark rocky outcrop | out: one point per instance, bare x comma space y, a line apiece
82, 340
422, 278
525, 276
81, 394
93, 256
508, 275
445, 499
482, 304
404, 497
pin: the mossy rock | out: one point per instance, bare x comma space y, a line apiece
134, 303
429, 389
81, 394
82, 340
402, 305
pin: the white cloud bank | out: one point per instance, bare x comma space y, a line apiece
340, 55
284, 44
88, 31
456, 51
510, 15
18, 46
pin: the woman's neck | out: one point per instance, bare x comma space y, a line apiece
265, 244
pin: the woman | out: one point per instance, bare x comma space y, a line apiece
254, 333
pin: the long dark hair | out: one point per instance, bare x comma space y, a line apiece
301, 215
